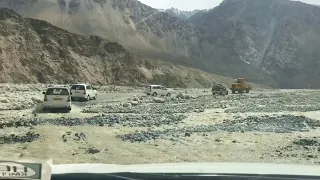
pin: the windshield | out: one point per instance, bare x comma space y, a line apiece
57, 91
131, 82
77, 87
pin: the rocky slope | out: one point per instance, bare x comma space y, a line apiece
140, 29
35, 51
272, 42
134, 25
279, 36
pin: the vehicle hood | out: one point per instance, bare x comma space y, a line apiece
235, 168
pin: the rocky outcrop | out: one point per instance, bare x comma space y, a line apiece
34, 51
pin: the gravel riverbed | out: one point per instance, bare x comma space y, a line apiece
279, 126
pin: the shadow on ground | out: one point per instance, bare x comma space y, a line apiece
38, 109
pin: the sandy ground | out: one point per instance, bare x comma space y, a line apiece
101, 143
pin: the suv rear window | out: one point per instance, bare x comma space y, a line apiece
78, 87
57, 91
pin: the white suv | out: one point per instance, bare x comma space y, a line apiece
83, 91
57, 98
155, 90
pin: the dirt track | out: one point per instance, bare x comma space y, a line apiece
263, 126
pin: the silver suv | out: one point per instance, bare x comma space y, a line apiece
83, 92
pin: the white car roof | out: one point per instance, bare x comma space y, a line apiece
80, 84
154, 85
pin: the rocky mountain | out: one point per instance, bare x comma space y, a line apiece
140, 29
280, 37
271, 42
33, 51
182, 14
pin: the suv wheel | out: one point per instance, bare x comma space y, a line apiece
95, 97
154, 94
88, 98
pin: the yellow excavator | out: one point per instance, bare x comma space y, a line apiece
240, 86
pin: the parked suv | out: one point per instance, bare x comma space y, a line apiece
83, 91
220, 89
57, 98
155, 90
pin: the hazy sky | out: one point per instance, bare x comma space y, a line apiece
194, 4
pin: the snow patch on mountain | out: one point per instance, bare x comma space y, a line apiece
180, 13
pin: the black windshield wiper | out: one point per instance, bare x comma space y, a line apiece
115, 176
176, 176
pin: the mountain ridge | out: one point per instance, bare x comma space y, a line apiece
34, 51
275, 36
140, 29
238, 38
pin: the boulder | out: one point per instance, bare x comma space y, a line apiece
180, 96
159, 100
134, 103
4, 101
126, 105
